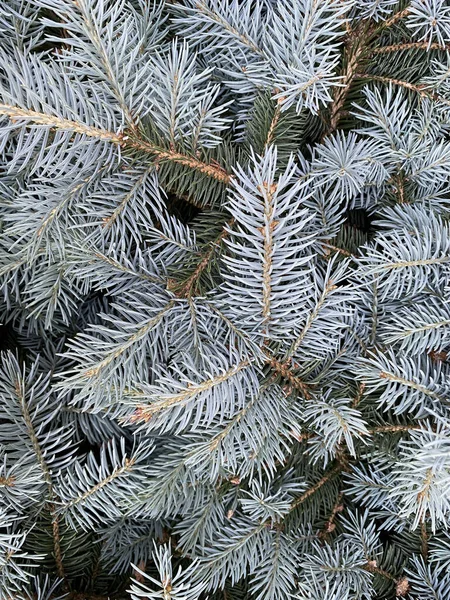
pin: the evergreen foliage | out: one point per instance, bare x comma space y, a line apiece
225, 296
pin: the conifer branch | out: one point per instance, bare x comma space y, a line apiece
285, 372
355, 51
220, 20
424, 540
141, 333
329, 287
359, 395
57, 550
394, 428
404, 46
267, 375
398, 16
329, 525
16, 114
411, 384
267, 233
108, 222
95, 37
145, 413
123, 140
116, 473
331, 474
54, 212
328, 248
217, 439
415, 263
417, 88
117, 265
188, 288
273, 124
401, 583
371, 566
214, 171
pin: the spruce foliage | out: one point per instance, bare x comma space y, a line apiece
225, 296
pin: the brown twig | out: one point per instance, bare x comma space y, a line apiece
359, 394
123, 140
189, 287
330, 526
424, 540
328, 248
410, 46
336, 470
417, 88
396, 18
394, 428
401, 583
273, 124
355, 50
283, 370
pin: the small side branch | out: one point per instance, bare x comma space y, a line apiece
188, 288
214, 171
21, 397
396, 18
410, 46
354, 53
417, 88
294, 381
317, 486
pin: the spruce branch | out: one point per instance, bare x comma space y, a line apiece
109, 221
419, 89
405, 46
372, 568
424, 547
398, 16
410, 384
31, 117
329, 248
262, 385
21, 392
394, 428
328, 289
242, 38
146, 413
189, 287
355, 51
133, 339
328, 476
122, 139
273, 125
116, 473
329, 525
212, 170
294, 381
